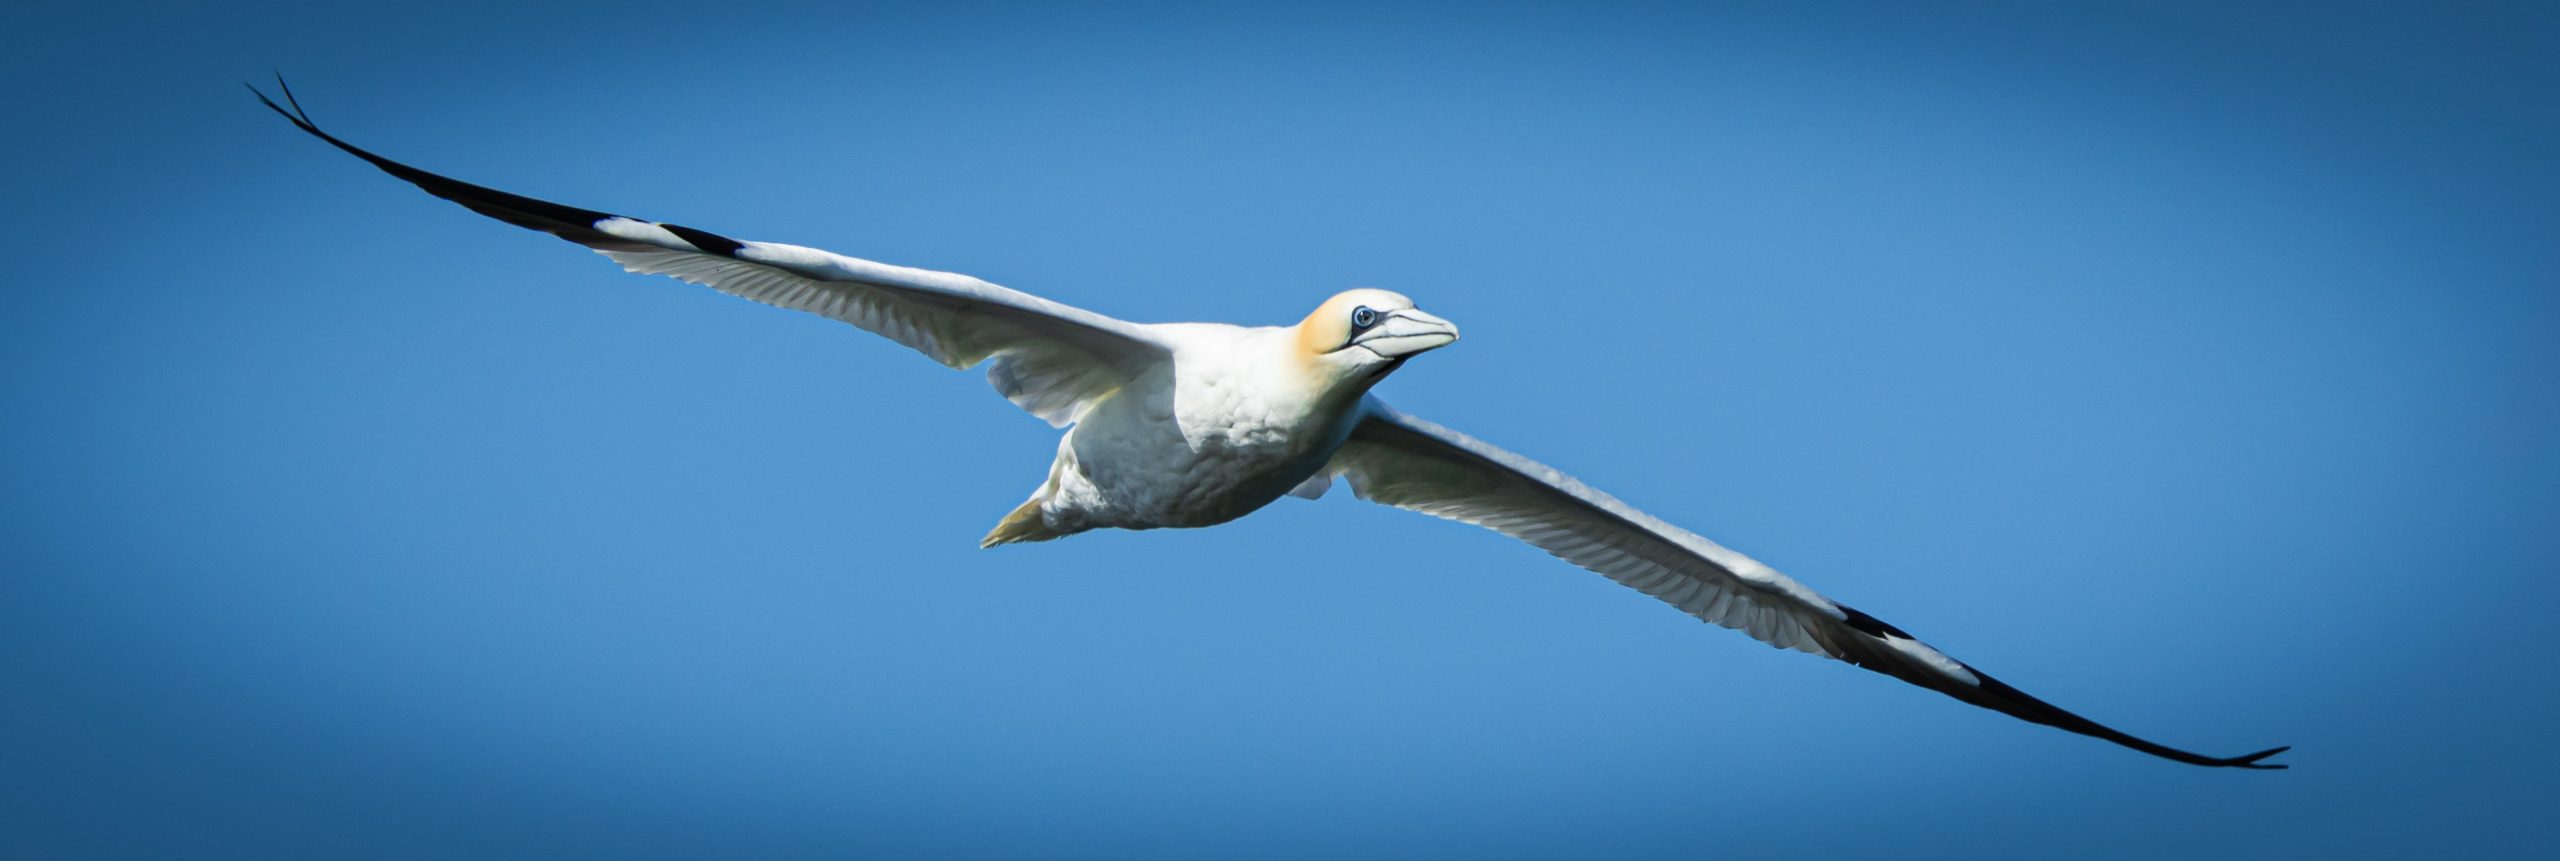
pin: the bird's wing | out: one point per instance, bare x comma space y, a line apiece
1403, 461
1050, 359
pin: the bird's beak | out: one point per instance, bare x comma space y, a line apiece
1407, 332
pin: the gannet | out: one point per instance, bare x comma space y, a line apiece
1196, 424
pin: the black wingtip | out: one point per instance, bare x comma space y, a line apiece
1875, 652
567, 222
299, 117
289, 99
270, 103
2251, 761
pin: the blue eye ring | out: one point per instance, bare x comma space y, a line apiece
1362, 317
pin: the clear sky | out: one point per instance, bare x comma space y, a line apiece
2191, 367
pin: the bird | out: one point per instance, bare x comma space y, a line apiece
1172, 425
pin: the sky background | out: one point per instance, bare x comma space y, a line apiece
2196, 368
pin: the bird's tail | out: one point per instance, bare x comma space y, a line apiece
1024, 524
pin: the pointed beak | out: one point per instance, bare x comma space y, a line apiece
1407, 332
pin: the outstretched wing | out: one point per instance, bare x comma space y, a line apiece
1050, 359
1399, 460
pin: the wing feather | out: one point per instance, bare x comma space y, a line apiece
1050, 359
1403, 461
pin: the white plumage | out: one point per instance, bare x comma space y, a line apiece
1195, 424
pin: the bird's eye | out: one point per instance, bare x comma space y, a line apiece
1363, 318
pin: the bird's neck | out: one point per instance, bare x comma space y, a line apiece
1318, 391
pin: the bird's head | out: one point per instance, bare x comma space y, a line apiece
1360, 335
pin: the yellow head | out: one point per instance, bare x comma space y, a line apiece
1360, 335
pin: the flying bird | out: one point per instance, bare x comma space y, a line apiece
1197, 424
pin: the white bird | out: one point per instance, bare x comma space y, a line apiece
1196, 424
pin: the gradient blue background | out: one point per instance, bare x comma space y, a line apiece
2191, 367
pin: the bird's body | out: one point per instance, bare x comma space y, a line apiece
1222, 427
1197, 424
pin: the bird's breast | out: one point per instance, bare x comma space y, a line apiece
1197, 446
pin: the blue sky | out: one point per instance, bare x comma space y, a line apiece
2192, 367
